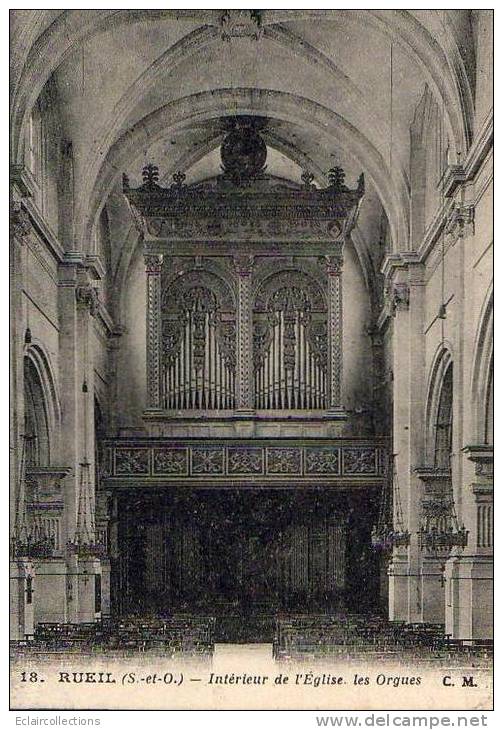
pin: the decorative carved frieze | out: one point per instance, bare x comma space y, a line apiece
324, 460
218, 462
219, 210
283, 460
130, 462
170, 461
207, 461
245, 460
360, 461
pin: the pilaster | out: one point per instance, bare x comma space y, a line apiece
78, 305
153, 269
470, 573
245, 395
405, 304
335, 333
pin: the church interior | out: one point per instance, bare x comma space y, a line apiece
251, 333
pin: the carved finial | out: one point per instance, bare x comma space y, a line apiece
307, 178
361, 185
150, 174
336, 176
178, 179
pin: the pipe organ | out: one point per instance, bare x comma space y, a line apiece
244, 324
198, 344
244, 285
290, 345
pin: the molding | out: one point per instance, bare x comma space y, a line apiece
95, 267
456, 175
480, 148
105, 319
22, 178
43, 229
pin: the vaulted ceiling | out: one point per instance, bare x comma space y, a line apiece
337, 87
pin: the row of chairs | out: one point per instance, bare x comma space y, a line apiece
345, 635
177, 634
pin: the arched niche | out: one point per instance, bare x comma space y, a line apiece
439, 410
482, 375
36, 418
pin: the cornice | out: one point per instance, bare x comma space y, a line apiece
456, 175
44, 231
481, 147
105, 319
23, 180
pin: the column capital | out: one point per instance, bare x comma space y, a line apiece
460, 221
243, 264
334, 264
397, 296
87, 298
20, 222
153, 263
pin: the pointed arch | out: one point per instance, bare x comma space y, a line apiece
438, 437
42, 412
482, 373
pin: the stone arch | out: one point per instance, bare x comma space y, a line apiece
71, 28
482, 369
222, 102
42, 412
442, 361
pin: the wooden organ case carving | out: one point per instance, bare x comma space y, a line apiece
252, 321
290, 343
198, 342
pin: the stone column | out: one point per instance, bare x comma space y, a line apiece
406, 302
77, 306
436, 511
153, 268
70, 391
21, 569
334, 290
469, 597
20, 229
114, 346
244, 360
